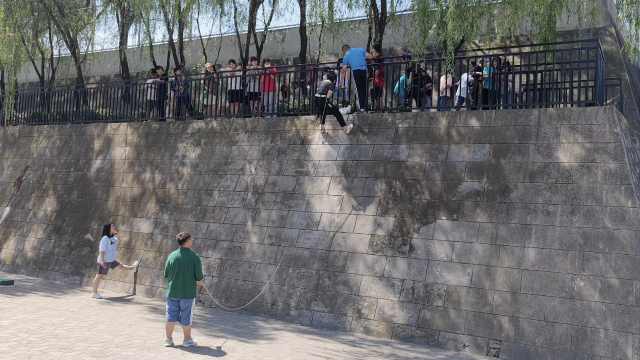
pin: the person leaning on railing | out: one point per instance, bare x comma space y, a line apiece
356, 60
210, 89
444, 96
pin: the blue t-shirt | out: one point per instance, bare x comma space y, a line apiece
356, 58
487, 73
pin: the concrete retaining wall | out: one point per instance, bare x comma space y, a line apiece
510, 233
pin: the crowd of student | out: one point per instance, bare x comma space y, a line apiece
360, 81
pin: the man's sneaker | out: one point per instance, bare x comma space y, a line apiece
345, 110
348, 128
189, 343
97, 296
168, 343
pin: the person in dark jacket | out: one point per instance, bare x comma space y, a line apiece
161, 92
181, 88
323, 103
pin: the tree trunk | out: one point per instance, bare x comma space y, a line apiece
2, 97
259, 43
181, 26
302, 29
53, 67
149, 36
81, 93
237, 29
70, 39
123, 42
322, 25
170, 31
369, 29
251, 26
378, 18
203, 46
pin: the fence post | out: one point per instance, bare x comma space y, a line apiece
600, 81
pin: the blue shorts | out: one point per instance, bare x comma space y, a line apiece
180, 310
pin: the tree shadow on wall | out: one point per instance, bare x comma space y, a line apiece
54, 215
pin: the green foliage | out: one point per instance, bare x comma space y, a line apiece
446, 24
629, 16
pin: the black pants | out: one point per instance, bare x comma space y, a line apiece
324, 108
183, 106
360, 77
488, 98
161, 103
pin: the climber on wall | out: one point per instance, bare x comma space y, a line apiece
107, 257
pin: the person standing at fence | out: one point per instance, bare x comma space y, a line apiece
268, 86
402, 89
356, 60
427, 91
343, 85
464, 90
417, 86
161, 92
150, 94
323, 103
377, 75
506, 84
253, 86
235, 93
181, 88
446, 84
210, 90
488, 84
476, 89
183, 275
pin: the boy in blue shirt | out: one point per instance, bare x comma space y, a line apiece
356, 60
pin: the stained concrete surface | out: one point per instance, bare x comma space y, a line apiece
45, 320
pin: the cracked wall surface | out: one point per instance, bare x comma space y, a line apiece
512, 233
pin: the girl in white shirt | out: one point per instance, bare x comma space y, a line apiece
108, 257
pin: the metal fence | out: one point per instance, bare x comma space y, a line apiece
565, 74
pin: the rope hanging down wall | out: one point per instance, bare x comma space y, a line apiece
270, 278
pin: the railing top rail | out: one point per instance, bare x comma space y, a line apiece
431, 56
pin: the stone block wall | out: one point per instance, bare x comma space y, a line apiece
513, 233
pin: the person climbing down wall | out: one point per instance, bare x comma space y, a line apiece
323, 103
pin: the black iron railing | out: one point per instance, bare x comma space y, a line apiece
565, 74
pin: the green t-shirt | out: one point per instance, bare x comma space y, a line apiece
181, 271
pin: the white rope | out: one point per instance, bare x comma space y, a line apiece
270, 279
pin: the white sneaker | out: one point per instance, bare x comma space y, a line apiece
97, 296
348, 128
168, 343
345, 110
189, 343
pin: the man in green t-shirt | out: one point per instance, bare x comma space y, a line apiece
183, 275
